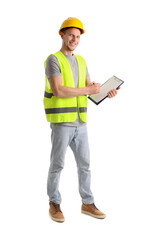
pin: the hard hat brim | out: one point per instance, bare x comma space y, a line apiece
61, 29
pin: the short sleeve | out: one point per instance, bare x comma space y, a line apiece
52, 67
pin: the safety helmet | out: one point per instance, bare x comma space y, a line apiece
72, 22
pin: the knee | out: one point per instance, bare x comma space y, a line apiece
56, 167
83, 167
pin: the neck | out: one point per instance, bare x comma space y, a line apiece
66, 51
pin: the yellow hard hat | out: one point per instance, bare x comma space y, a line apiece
72, 22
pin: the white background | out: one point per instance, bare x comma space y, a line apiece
122, 39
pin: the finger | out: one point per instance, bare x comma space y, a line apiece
112, 93
115, 92
98, 88
109, 95
97, 84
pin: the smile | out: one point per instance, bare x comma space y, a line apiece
72, 44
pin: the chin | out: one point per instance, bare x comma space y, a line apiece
72, 48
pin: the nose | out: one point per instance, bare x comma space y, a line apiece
73, 38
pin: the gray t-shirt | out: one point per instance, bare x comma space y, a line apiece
53, 69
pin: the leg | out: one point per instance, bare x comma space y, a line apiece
80, 148
60, 138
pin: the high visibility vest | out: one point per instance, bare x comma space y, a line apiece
59, 109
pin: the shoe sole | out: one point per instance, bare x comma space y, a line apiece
92, 215
60, 220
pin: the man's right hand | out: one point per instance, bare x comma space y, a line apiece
94, 88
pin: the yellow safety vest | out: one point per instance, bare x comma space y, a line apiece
59, 109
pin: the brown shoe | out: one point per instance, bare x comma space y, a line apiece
55, 212
90, 209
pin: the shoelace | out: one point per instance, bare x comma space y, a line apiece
57, 207
93, 206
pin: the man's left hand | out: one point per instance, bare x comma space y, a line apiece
113, 92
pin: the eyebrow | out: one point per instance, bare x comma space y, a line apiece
74, 34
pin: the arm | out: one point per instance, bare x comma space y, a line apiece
63, 91
111, 93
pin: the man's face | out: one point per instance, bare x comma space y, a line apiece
71, 38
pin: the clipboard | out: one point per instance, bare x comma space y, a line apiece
111, 83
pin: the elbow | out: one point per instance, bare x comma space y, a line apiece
57, 93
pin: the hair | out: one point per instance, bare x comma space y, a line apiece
63, 30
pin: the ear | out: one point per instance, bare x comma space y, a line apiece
61, 34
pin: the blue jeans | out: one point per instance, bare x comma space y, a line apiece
77, 139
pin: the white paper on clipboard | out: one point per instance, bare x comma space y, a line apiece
111, 83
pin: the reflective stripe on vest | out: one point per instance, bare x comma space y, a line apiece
48, 95
66, 109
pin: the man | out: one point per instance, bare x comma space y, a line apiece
65, 101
